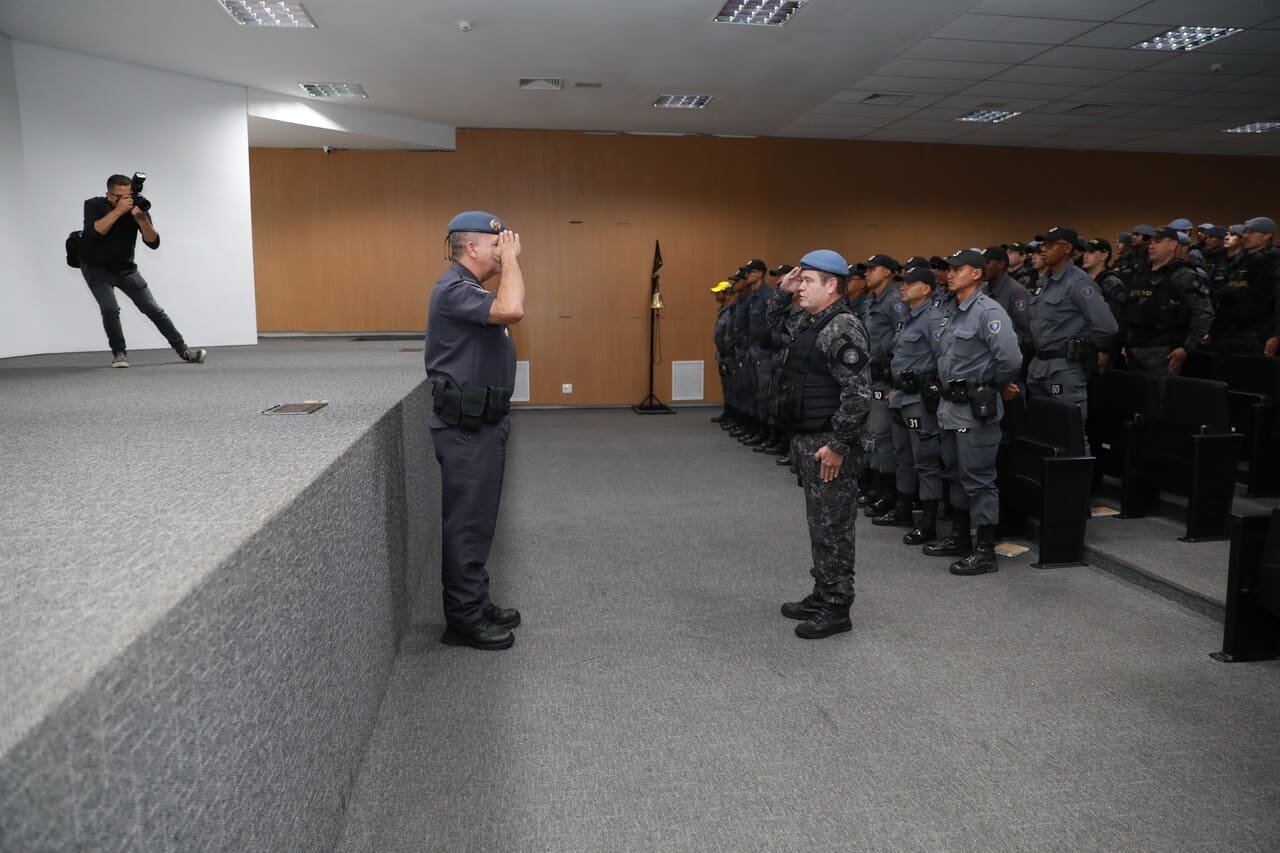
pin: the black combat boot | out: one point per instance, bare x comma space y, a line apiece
502, 617
481, 634
828, 619
888, 496
983, 557
784, 459
899, 516
927, 529
804, 608
958, 544
756, 437
867, 488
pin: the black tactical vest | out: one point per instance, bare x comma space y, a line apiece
1154, 310
808, 395
1247, 300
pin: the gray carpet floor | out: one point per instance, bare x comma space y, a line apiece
124, 489
656, 700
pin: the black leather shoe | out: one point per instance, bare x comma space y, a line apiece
479, 634
804, 608
784, 459
899, 516
502, 617
880, 507
920, 535
868, 498
831, 619
949, 546
718, 419
983, 557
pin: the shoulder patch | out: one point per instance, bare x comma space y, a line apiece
994, 326
1086, 291
852, 357
1020, 305
900, 307
937, 336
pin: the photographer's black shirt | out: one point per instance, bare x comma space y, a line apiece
113, 250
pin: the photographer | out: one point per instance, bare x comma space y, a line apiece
111, 227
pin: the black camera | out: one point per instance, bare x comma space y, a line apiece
139, 201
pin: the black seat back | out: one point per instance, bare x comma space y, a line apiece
1196, 404
1056, 423
1257, 373
1202, 365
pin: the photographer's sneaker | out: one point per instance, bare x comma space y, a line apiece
119, 360
195, 356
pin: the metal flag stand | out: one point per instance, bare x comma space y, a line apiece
651, 405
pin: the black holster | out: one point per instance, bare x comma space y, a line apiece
983, 402
470, 406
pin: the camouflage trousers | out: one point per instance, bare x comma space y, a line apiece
831, 509
1153, 361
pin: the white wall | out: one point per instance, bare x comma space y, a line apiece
80, 119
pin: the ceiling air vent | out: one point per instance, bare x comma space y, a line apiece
885, 100
542, 84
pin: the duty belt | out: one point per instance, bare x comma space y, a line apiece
1052, 353
469, 406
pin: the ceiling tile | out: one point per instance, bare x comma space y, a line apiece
1199, 62
1099, 57
1057, 76
1052, 120
1084, 10
1182, 113
1118, 35
1008, 28
1021, 90
1265, 42
829, 121
1182, 83
1117, 95
858, 96
1234, 100
1072, 104
964, 50
865, 111
975, 102
924, 85
1257, 83
1216, 13
936, 68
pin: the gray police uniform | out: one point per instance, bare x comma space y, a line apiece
1067, 308
885, 313
977, 345
826, 404
463, 351
917, 444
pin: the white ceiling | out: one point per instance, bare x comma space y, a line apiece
807, 79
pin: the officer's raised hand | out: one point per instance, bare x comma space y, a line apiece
829, 463
790, 282
508, 245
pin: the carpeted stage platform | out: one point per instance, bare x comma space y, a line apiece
201, 607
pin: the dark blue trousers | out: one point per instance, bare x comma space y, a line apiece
471, 470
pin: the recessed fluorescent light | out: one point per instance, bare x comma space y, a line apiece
988, 116
765, 13
682, 102
1256, 127
1186, 38
268, 13
334, 90
542, 84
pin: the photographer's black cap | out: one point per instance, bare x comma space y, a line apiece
883, 261
996, 253
782, 269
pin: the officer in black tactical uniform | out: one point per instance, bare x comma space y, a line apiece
721, 337
1167, 311
917, 443
1019, 264
885, 312
1070, 322
743, 421
1249, 310
471, 364
783, 319
978, 361
824, 403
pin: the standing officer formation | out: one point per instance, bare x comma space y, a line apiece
471, 365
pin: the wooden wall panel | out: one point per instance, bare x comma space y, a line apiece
352, 241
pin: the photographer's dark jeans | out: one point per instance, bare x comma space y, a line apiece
103, 284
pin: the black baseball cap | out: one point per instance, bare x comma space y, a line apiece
1057, 232
923, 274
937, 262
996, 253
1165, 233
755, 264
1098, 244
857, 270
915, 261
1143, 231
883, 261
782, 269
967, 258
737, 275
1016, 247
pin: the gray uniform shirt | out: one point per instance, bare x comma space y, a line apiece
913, 349
884, 314
461, 345
1015, 299
976, 343
1068, 306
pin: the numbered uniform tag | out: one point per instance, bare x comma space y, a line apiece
877, 394
1055, 389
962, 430
913, 423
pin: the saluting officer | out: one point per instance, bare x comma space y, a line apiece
914, 402
1071, 324
1167, 311
823, 400
884, 313
471, 364
978, 360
